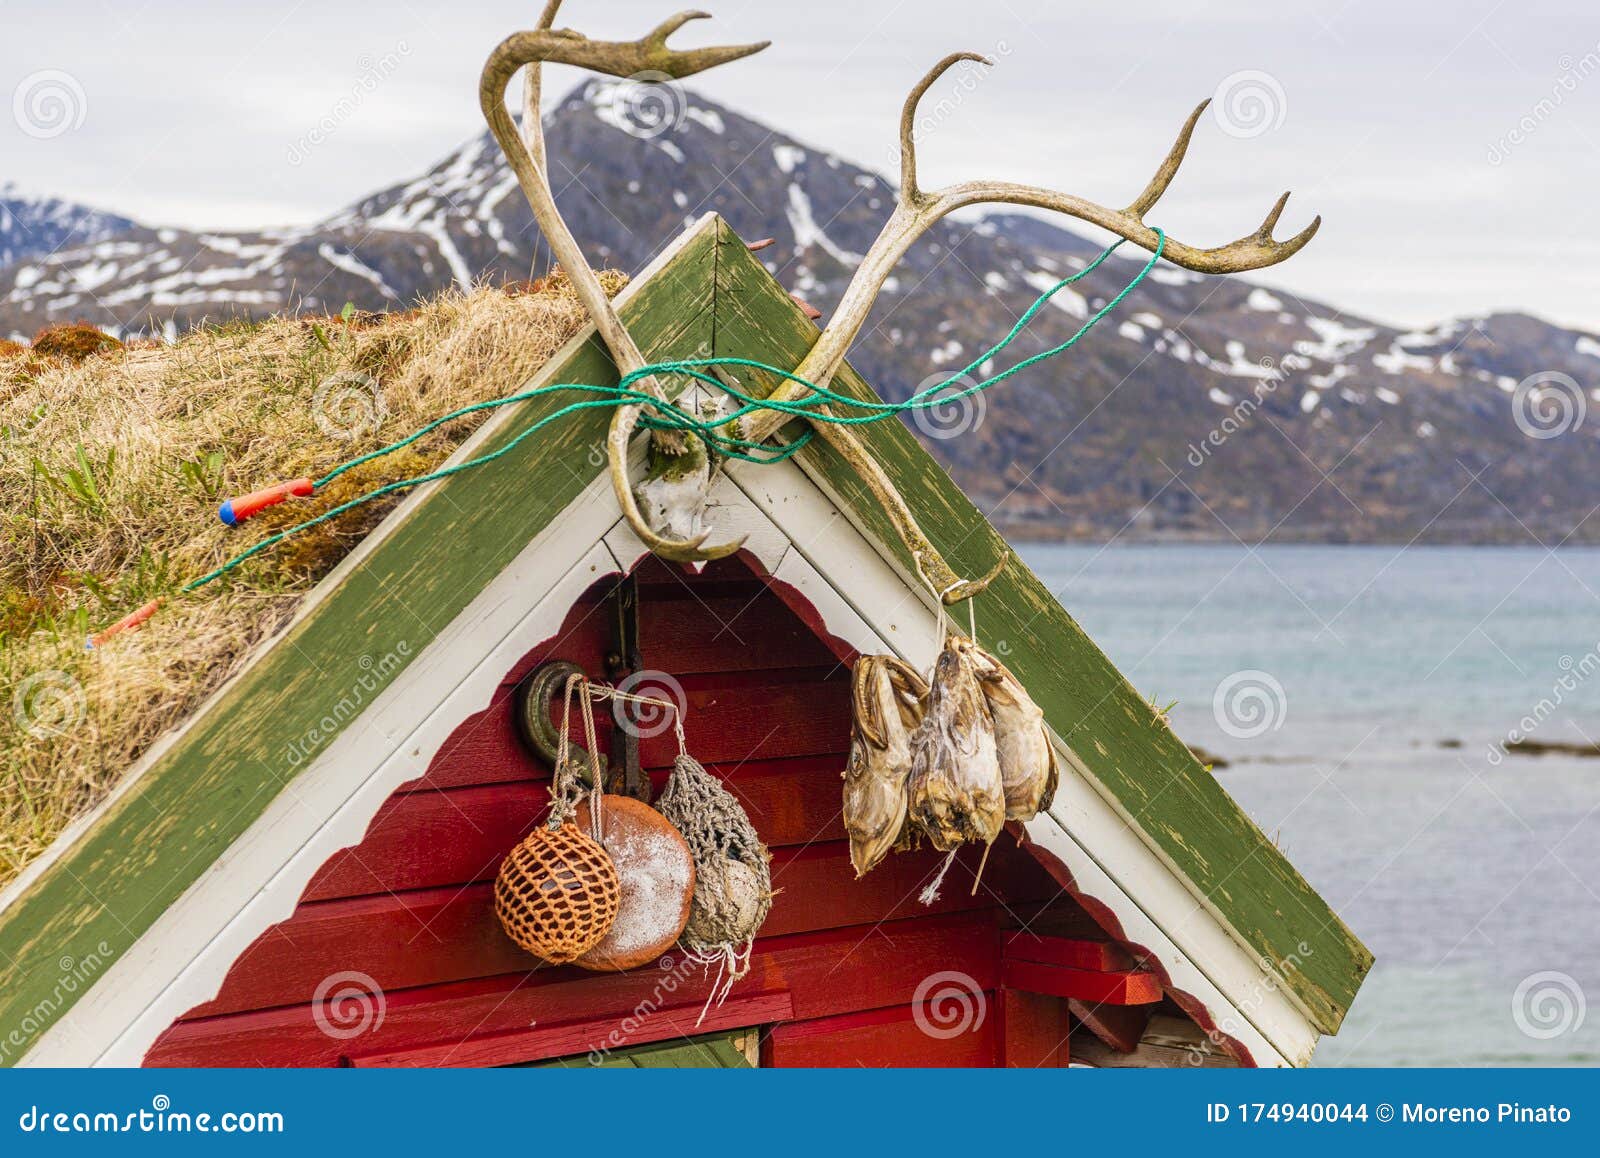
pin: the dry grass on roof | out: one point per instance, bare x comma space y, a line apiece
112, 462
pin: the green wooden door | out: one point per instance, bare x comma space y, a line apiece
720, 1051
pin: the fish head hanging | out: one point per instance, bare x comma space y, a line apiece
887, 698
1028, 769
956, 793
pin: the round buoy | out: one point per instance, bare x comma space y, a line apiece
557, 893
655, 873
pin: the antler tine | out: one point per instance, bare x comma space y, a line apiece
914, 214
1255, 250
659, 34
908, 120
1169, 167
532, 115
679, 64
1271, 221
527, 159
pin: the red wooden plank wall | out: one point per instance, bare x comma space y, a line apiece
409, 909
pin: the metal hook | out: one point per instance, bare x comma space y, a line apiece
535, 697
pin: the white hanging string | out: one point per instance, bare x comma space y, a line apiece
931, 893
606, 692
565, 791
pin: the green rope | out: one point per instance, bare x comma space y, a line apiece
922, 400
666, 415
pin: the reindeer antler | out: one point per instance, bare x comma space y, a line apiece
650, 56
915, 212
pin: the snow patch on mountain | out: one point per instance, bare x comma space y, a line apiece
788, 158
1262, 301
1066, 298
35, 227
351, 264
1397, 360
1337, 341
807, 233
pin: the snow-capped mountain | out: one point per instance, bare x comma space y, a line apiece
1203, 406
35, 227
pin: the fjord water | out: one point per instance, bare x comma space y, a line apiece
1474, 876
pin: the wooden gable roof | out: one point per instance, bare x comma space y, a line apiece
111, 876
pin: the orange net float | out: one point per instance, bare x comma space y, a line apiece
557, 893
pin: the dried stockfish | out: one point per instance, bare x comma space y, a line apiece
956, 792
1028, 767
887, 697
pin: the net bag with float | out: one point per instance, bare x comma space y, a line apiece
733, 884
557, 893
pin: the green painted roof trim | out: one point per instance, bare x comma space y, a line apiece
121, 872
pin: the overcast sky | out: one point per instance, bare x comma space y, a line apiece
1453, 149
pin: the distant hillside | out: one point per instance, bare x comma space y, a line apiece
1206, 407
36, 227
